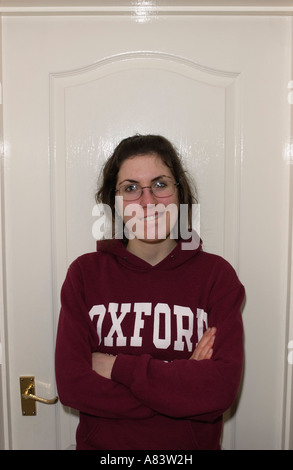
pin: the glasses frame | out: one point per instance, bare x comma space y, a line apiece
145, 187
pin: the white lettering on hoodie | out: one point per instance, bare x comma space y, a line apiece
161, 314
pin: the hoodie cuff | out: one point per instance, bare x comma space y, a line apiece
123, 369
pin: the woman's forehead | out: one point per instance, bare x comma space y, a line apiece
147, 166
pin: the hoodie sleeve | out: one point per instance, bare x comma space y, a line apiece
78, 385
189, 388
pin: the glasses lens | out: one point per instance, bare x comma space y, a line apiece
130, 192
163, 188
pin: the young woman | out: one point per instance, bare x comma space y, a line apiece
150, 340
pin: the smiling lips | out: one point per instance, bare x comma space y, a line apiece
152, 217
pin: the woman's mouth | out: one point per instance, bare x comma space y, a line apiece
150, 218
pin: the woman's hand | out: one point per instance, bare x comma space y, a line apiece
204, 349
102, 364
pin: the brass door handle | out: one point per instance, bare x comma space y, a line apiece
28, 397
28, 393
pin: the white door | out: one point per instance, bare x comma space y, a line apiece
216, 86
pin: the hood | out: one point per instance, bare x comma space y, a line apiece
184, 250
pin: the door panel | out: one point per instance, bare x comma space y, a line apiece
221, 96
86, 126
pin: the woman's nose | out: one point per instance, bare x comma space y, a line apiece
147, 197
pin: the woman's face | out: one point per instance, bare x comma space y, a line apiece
151, 217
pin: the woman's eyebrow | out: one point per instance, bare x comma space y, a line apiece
129, 181
137, 182
161, 176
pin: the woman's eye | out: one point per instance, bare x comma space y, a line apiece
160, 184
130, 188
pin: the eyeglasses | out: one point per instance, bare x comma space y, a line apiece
160, 188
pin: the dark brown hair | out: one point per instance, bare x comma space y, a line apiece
144, 145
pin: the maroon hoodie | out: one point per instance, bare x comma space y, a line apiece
151, 317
